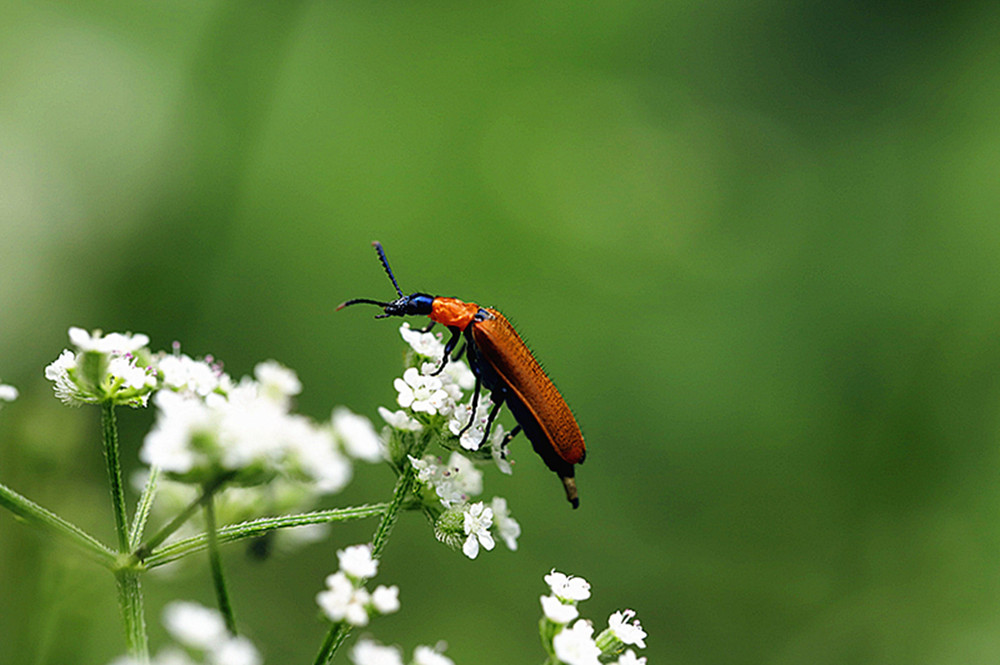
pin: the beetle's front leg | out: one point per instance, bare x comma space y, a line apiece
456, 334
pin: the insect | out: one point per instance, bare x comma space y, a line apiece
502, 363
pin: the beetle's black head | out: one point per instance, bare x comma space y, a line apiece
415, 304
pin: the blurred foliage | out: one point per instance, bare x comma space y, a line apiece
755, 243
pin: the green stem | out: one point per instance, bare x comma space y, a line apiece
33, 514
258, 527
404, 484
218, 578
133, 615
109, 432
142, 509
207, 492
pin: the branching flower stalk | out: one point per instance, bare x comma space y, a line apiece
224, 450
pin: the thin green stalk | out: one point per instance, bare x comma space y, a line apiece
109, 433
258, 527
33, 514
143, 509
133, 615
218, 578
207, 492
404, 484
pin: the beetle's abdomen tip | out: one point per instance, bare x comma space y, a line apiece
571, 495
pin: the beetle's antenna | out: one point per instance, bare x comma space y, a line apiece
357, 301
385, 264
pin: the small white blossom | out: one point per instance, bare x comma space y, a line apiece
367, 652
568, 587
107, 344
399, 420
627, 628
277, 382
629, 658
357, 561
507, 527
557, 611
420, 393
8, 393
464, 475
341, 601
314, 450
236, 650
425, 344
423, 655
575, 646
194, 625
478, 520
179, 421
136, 378
357, 435
66, 388
454, 482
472, 437
385, 599
181, 372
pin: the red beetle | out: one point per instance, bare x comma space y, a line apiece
502, 363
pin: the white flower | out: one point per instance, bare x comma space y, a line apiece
478, 520
568, 587
385, 599
179, 421
357, 435
194, 625
427, 656
557, 611
110, 343
461, 472
367, 652
341, 601
8, 393
314, 451
629, 658
420, 393
425, 344
66, 388
236, 651
507, 527
626, 628
277, 382
454, 482
357, 561
472, 437
181, 372
575, 646
399, 420
125, 369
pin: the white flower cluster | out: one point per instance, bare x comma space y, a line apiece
369, 652
202, 639
208, 425
346, 598
576, 644
454, 484
424, 397
8, 393
103, 368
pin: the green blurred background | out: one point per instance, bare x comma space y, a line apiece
755, 243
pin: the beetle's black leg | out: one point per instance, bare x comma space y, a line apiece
429, 327
510, 435
498, 396
507, 439
475, 406
456, 334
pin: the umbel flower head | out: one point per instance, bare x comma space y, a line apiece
345, 597
103, 368
209, 426
572, 640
